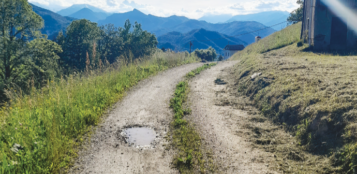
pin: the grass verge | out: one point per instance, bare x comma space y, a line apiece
313, 95
40, 131
190, 157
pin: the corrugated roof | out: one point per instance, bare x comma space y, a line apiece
234, 47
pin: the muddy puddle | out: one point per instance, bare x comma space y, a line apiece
139, 136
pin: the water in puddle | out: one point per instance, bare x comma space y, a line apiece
140, 136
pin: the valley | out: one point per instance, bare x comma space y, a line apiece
108, 87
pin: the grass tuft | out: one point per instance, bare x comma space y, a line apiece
185, 138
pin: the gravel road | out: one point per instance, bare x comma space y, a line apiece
217, 123
147, 105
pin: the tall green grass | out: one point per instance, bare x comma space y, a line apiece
40, 131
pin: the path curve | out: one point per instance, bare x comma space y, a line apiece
147, 104
217, 124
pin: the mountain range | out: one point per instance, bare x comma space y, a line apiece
200, 38
53, 21
267, 18
162, 25
77, 7
180, 29
86, 13
214, 19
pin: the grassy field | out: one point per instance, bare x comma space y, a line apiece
40, 131
313, 95
190, 157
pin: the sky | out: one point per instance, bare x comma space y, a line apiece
190, 8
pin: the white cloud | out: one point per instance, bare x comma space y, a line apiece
190, 8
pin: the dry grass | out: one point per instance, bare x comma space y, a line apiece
312, 95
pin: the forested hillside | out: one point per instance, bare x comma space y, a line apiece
53, 22
201, 38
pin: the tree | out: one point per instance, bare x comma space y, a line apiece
76, 43
208, 55
110, 44
44, 60
220, 58
297, 15
20, 58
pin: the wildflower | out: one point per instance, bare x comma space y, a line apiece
20, 124
15, 128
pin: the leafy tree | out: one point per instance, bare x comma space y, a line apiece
21, 59
110, 44
297, 15
18, 25
44, 60
208, 54
78, 40
143, 43
220, 58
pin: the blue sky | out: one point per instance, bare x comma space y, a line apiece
189, 8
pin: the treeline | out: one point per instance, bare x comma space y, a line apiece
28, 59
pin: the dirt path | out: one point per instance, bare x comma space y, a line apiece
219, 125
145, 105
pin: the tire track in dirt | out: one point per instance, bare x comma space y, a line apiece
147, 105
217, 121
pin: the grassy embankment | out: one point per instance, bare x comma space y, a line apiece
40, 131
190, 157
312, 95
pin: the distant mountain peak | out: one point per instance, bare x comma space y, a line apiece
136, 11
77, 7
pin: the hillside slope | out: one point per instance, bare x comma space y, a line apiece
53, 21
178, 41
313, 95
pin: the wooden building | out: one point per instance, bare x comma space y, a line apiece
324, 30
229, 50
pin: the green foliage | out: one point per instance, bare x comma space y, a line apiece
76, 43
49, 122
297, 15
24, 53
208, 54
103, 44
185, 138
220, 58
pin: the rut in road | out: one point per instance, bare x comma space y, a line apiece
147, 105
216, 122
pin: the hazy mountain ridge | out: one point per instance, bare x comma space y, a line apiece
162, 25
53, 22
267, 18
180, 41
77, 7
88, 14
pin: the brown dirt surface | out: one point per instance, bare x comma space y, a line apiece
240, 137
219, 125
147, 105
